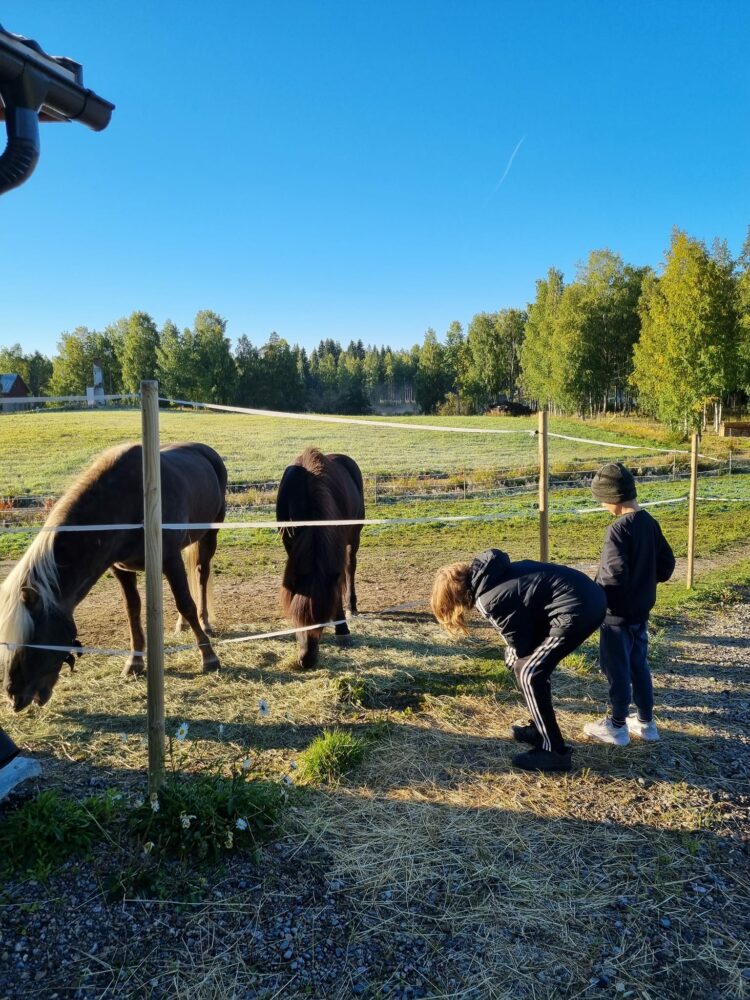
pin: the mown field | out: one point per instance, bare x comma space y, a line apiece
428, 868
41, 451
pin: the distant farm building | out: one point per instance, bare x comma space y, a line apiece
13, 387
734, 428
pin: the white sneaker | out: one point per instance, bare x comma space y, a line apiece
18, 770
606, 732
646, 730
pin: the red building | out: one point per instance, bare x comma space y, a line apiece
12, 387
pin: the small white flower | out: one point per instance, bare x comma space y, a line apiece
263, 709
138, 801
185, 820
230, 839
246, 764
148, 847
182, 731
154, 800
241, 823
287, 780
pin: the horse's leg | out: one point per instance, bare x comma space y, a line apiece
180, 624
343, 636
206, 552
174, 570
351, 570
127, 580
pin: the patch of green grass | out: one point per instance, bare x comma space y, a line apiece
478, 675
726, 585
330, 756
45, 831
580, 663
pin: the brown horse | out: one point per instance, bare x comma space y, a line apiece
38, 598
321, 562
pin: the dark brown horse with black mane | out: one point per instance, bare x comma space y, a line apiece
38, 598
321, 562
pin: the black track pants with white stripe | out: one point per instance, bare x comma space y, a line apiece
533, 679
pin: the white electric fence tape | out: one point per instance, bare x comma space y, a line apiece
100, 651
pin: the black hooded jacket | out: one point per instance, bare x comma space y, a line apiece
636, 556
527, 601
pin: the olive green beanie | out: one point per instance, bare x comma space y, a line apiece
613, 483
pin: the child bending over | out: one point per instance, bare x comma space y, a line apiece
543, 612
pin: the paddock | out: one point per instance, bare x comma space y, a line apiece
432, 867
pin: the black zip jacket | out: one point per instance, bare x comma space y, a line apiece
636, 556
527, 601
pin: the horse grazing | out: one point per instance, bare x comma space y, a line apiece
321, 562
38, 598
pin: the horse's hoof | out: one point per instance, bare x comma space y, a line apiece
180, 626
208, 629
352, 613
134, 667
211, 665
343, 639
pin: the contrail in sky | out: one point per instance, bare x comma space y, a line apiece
507, 169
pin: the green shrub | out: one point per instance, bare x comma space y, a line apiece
202, 817
331, 755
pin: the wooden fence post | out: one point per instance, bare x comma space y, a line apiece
543, 488
152, 538
691, 509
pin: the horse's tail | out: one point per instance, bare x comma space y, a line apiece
192, 568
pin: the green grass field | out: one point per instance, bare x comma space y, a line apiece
41, 452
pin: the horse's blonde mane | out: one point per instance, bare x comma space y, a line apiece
37, 569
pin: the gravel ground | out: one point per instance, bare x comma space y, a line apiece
288, 924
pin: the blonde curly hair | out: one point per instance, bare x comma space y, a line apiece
452, 597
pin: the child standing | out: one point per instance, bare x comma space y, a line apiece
543, 612
636, 557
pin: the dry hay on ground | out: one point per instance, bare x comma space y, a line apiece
434, 869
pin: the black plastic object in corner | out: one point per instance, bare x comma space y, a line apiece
35, 86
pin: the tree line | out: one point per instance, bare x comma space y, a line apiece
674, 345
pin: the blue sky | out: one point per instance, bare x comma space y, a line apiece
326, 168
